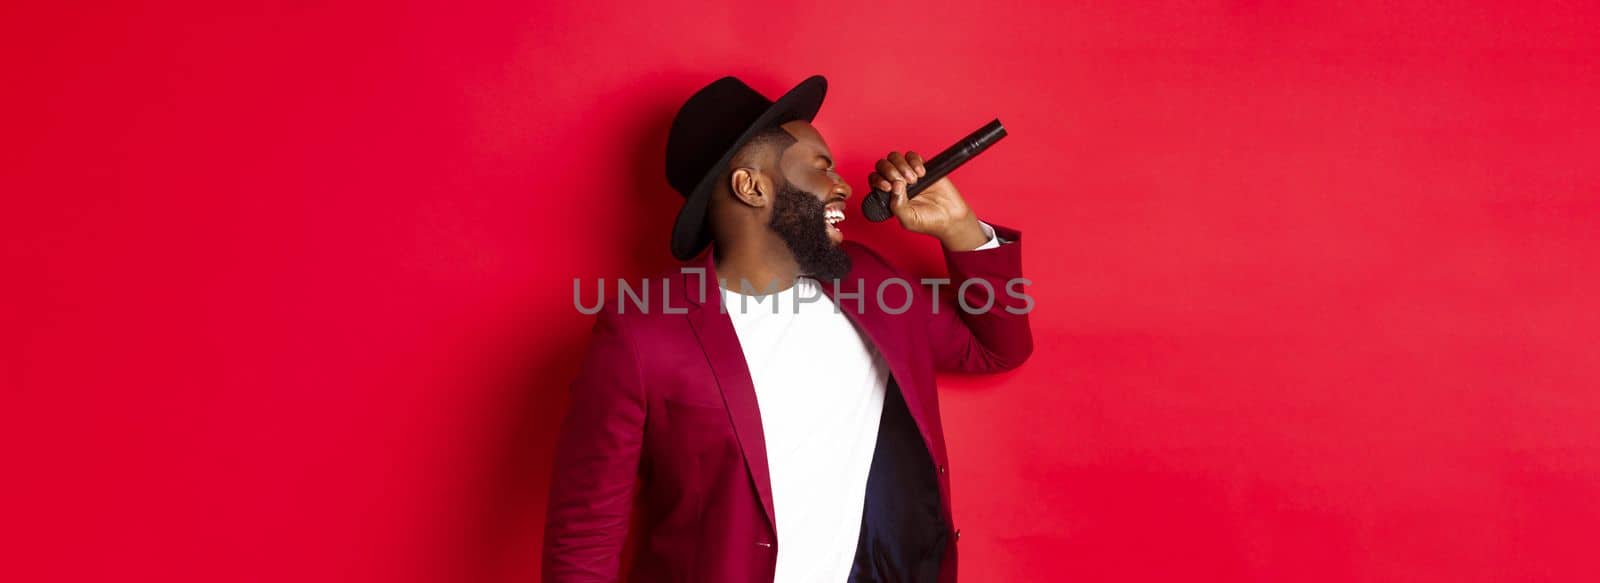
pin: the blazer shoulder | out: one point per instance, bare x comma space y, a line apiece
866, 261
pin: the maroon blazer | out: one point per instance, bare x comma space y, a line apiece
664, 402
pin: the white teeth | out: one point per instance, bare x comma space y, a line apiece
833, 216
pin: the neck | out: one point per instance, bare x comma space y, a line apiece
767, 267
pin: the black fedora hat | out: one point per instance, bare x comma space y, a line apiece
710, 127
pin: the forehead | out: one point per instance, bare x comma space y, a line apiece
809, 143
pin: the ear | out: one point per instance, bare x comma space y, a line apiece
750, 187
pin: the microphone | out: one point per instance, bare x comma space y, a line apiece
875, 205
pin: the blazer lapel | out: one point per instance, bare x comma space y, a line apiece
720, 343
889, 340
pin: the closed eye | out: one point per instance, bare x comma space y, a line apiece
826, 160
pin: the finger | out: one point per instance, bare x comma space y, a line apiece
917, 163
903, 167
878, 181
897, 201
889, 171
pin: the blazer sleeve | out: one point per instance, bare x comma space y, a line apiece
596, 461
984, 340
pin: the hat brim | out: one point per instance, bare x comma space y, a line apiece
689, 235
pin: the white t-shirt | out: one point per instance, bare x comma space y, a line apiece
820, 386
819, 383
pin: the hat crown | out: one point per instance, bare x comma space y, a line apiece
707, 126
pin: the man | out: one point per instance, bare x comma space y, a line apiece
784, 425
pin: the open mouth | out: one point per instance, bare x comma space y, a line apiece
833, 214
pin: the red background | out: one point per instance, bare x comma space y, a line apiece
288, 285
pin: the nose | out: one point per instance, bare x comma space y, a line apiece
842, 189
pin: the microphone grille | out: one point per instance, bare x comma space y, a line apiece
875, 206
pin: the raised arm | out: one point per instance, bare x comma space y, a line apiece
985, 340
992, 334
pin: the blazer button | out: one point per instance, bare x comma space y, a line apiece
764, 544
958, 534
941, 468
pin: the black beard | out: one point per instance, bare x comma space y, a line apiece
797, 219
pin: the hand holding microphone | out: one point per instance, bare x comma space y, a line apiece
918, 194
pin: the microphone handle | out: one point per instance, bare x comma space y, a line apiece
875, 206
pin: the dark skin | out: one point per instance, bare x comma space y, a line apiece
742, 205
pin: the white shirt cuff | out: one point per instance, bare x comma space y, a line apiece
994, 240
